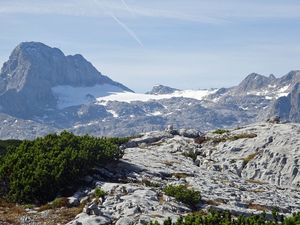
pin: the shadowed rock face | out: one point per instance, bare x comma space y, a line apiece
295, 103
33, 69
282, 107
288, 107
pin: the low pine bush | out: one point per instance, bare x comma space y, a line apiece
36, 171
99, 192
225, 218
220, 131
182, 194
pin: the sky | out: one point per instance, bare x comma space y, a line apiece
186, 44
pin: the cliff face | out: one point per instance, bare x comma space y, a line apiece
288, 107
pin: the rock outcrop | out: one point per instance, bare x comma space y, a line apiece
161, 89
245, 170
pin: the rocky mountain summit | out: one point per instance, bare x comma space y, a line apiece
27, 79
244, 170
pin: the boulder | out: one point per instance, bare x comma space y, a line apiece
189, 133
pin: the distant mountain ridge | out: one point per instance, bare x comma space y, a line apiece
42, 90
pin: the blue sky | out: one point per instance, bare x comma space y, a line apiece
187, 44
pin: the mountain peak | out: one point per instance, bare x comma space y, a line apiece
33, 45
161, 89
35, 62
254, 81
34, 69
34, 49
291, 78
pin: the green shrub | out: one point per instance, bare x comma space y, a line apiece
59, 202
226, 218
183, 194
55, 204
233, 137
36, 171
243, 135
6, 145
149, 183
220, 131
99, 192
190, 154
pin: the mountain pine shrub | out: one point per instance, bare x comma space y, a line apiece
37, 171
226, 218
182, 194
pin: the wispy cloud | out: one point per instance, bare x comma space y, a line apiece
119, 8
204, 11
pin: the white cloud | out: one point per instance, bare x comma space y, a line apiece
203, 11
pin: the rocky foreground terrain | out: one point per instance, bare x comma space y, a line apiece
245, 170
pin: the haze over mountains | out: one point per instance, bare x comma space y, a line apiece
42, 91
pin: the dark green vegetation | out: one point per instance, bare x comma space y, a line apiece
99, 193
149, 183
56, 203
225, 218
183, 194
220, 131
37, 171
5, 145
233, 137
223, 136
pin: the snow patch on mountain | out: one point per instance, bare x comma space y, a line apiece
156, 113
131, 97
71, 96
284, 91
115, 115
272, 92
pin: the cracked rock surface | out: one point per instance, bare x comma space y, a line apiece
246, 170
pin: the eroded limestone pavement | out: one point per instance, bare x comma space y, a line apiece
246, 170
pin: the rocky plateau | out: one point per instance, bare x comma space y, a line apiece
245, 170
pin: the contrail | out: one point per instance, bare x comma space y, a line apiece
127, 6
127, 29
123, 25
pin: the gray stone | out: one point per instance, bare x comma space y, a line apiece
189, 133
125, 221
73, 201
